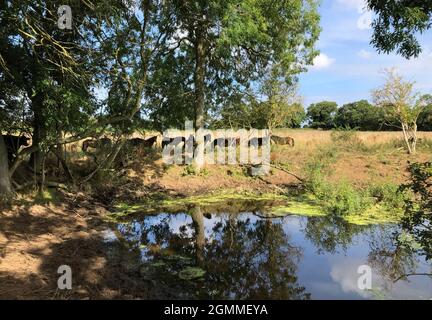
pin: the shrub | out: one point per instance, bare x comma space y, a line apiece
348, 139
342, 198
389, 195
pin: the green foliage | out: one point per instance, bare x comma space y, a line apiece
231, 48
297, 116
424, 121
322, 114
337, 198
360, 115
397, 25
390, 195
268, 114
191, 273
342, 197
418, 220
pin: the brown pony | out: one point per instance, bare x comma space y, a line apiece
283, 140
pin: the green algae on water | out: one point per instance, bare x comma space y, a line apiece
268, 206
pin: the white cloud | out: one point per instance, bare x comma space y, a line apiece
418, 70
364, 54
344, 272
322, 62
365, 21
359, 5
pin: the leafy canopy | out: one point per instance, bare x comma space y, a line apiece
321, 115
398, 24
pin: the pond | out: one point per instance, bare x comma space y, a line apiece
198, 252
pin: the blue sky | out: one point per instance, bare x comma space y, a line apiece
348, 68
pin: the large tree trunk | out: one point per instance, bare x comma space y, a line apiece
199, 96
39, 133
199, 81
5, 181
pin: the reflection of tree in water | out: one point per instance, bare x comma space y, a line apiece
391, 260
331, 233
244, 258
249, 259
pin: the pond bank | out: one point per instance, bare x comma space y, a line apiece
269, 205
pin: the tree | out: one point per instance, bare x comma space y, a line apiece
398, 23
5, 182
46, 66
400, 102
231, 43
57, 72
296, 116
225, 46
425, 117
321, 115
279, 110
358, 115
280, 107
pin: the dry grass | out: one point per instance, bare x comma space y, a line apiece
319, 137
359, 157
303, 137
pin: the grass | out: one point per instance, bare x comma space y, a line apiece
342, 197
311, 137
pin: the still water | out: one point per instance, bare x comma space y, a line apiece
197, 254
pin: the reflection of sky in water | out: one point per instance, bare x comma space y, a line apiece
326, 274
334, 275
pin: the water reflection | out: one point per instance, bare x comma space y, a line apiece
200, 254
331, 234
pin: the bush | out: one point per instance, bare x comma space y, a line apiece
340, 198
315, 181
348, 139
389, 195
343, 198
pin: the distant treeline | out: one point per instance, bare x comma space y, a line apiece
360, 115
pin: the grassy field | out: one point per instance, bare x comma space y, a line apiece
360, 158
311, 137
